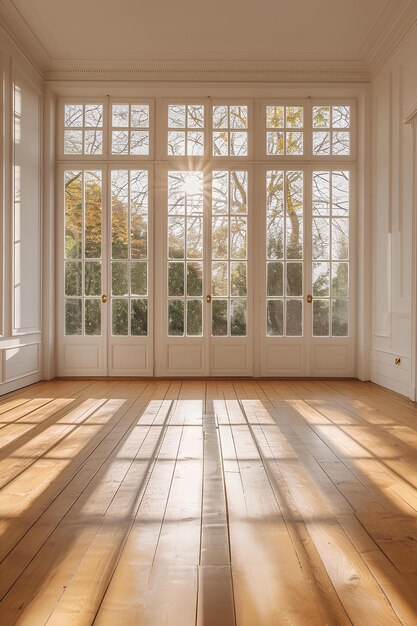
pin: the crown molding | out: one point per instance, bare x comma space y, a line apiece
411, 116
394, 23
23, 36
227, 71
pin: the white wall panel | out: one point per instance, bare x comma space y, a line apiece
382, 208
26, 206
20, 361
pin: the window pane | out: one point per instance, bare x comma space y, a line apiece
294, 279
139, 317
139, 115
238, 318
73, 142
275, 279
120, 115
93, 209
175, 279
120, 213
73, 278
92, 278
195, 237
238, 279
139, 279
321, 279
321, 117
238, 230
92, 317
219, 318
73, 214
94, 115
119, 278
176, 116
320, 318
120, 317
219, 279
194, 279
176, 237
340, 312
74, 115
194, 318
275, 318
139, 142
294, 318
195, 116
340, 280
175, 318
73, 317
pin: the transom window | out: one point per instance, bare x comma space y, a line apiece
284, 134
230, 130
331, 130
83, 129
185, 130
130, 129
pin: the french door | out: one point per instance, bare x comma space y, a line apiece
195, 316
204, 273
105, 311
308, 326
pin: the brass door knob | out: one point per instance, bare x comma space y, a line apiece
208, 299
309, 299
104, 298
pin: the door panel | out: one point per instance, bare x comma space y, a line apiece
83, 316
181, 339
130, 344
203, 275
231, 314
308, 328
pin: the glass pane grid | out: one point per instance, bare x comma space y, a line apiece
284, 130
330, 274
130, 135
186, 130
284, 253
229, 254
185, 253
82, 257
129, 255
83, 129
331, 130
230, 130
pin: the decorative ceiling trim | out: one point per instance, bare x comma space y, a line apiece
397, 19
267, 71
411, 116
23, 36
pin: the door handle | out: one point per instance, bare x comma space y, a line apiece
208, 299
104, 298
309, 299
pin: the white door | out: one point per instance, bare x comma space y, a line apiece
308, 320
204, 294
105, 319
82, 278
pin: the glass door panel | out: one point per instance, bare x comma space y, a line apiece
203, 279
130, 349
83, 318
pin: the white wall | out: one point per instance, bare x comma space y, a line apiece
394, 94
21, 221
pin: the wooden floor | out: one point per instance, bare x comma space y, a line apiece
214, 503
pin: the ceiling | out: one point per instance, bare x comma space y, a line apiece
166, 31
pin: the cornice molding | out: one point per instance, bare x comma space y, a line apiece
22, 35
392, 26
232, 71
411, 116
